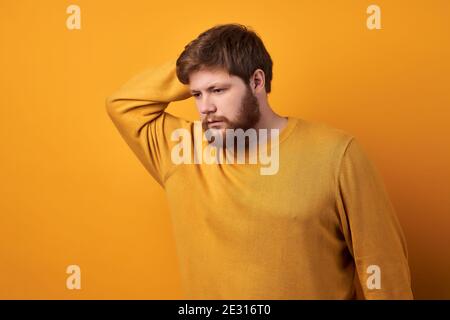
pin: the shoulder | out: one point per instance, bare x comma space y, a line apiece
322, 136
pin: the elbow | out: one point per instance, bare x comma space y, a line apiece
111, 106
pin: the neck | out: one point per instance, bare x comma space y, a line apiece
269, 119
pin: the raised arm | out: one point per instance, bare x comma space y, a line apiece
137, 110
371, 228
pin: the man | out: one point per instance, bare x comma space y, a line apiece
305, 232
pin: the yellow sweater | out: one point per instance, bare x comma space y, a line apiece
299, 234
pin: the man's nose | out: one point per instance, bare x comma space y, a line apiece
206, 105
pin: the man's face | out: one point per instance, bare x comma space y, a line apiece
224, 101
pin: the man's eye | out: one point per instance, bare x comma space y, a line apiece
196, 95
218, 90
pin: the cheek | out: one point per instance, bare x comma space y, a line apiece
230, 106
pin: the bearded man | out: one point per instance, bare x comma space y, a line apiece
320, 228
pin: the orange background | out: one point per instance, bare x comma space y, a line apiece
72, 192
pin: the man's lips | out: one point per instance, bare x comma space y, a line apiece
214, 123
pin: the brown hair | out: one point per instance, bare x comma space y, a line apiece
234, 47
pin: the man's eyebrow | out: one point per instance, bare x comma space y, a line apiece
216, 84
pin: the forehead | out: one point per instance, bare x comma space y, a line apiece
206, 77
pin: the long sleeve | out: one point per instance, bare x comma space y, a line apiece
137, 110
371, 228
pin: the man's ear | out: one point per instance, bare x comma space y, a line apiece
258, 82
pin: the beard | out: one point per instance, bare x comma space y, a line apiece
247, 117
